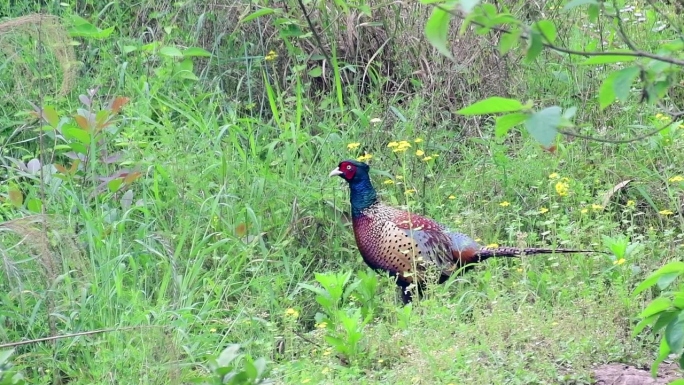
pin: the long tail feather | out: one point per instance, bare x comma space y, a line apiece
509, 252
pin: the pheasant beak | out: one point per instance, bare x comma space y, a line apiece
335, 172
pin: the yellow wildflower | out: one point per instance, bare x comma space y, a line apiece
353, 146
325, 370
410, 192
292, 313
665, 212
562, 188
392, 144
553, 175
420, 152
631, 203
388, 181
322, 325
478, 240
418, 140
212, 330
427, 158
452, 197
365, 157
492, 246
504, 204
271, 56
519, 270
596, 207
327, 352
402, 146
584, 211
676, 179
543, 210
380, 361
399, 177
619, 261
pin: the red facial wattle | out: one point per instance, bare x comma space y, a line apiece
348, 170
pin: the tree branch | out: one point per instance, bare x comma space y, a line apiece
633, 53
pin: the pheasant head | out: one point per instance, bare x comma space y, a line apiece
362, 194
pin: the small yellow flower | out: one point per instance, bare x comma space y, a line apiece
306, 381
519, 270
271, 56
388, 181
554, 323
322, 325
380, 361
402, 146
325, 370
584, 211
452, 197
420, 152
543, 210
392, 144
553, 175
410, 192
427, 158
353, 146
492, 246
631, 203
596, 207
418, 140
478, 240
365, 157
327, 352
562, 189
292, 313
619, 261
212, 330
676, 179
400, 177
665, 212
504, 204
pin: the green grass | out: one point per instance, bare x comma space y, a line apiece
234, 209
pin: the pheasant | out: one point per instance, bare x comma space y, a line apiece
404, 244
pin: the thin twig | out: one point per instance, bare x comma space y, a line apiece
54, 338
313, 31
637, 53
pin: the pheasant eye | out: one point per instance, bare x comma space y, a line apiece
349, 167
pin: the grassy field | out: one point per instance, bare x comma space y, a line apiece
193, 218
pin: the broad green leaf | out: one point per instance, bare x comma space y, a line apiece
593, 12
436, 31
34, 205
623, 82
505, 122
51, 116
675, 266
612, 58
577, 3
666, 279
546, 29
607, 91
643, 323
664, 319
170, 52
663, 352
491, 105
316, 72
258, 13
114, 184
681, 365
543, 125
656, 306
508, 40
196, 51
71, 132
16, 197
674, 333
536, 45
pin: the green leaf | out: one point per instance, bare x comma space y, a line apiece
674, 334
114, 184
51, 116
664, 319
34, 205
74, 133
607, 91
535, 46
505, 122
546, 29
491, 105
663, 352
612, 58
577, 3
258, 13
543, 125
623, 82
681, 365
675, 266
593, 12
170, 52
196, 51
656, 306
508, 40
316, 72
643, 323
666, 279
436, 30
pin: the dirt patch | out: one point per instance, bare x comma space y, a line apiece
621, 374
